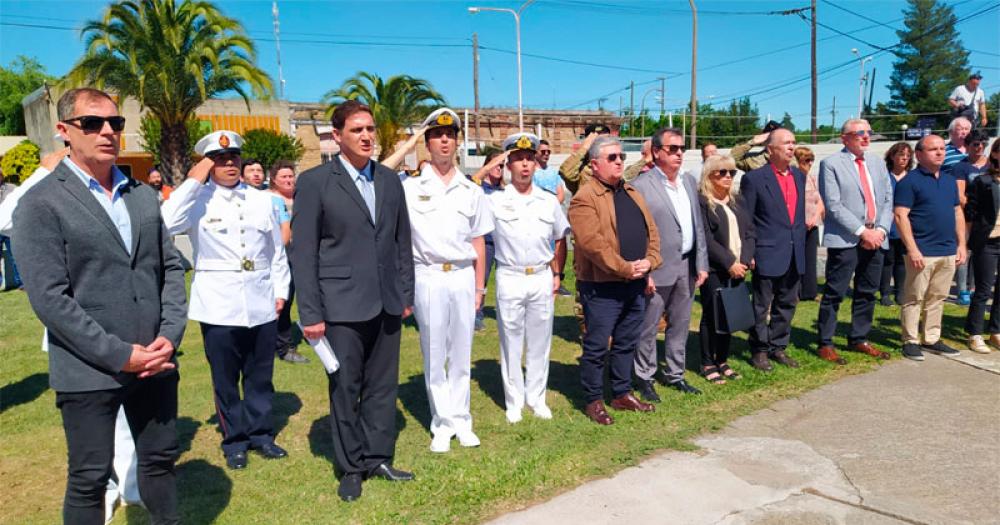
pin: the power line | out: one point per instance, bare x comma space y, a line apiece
859, 15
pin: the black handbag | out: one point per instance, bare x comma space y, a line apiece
733, 309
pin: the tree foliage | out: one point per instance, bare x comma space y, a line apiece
171, 57
725, 126
22, 76
269, 146
20, 161
150, 131
397, 102
930, 61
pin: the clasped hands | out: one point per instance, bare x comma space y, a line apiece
149, 360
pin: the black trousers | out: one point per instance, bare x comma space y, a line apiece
985, 263
610, 310
779, 297
239, 354
810, 286
89, 422
893, 270
866, 268
284, 337
363, 392
714, 346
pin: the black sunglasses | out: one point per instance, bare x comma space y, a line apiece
94, 124
615, 156
673, 148
724, 173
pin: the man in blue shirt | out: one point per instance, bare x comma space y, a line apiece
931, 224
547, 178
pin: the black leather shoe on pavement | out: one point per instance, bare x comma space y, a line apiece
237, 460
683, 386
271, 451
387, 472
646, 391
350, 487
940, 348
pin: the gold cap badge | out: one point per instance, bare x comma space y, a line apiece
445, 119
523, 143
224, 140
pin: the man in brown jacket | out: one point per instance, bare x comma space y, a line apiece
617, 245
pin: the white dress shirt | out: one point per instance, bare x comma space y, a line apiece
526, 226
445, 219
240, 268
678, 195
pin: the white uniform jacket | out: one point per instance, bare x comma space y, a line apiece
526, 226
445, 219
240, 268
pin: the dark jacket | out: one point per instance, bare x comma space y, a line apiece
981, 209
93, 297
776, 240
717, 236
345, 268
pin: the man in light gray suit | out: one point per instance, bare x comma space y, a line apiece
672, 198
106, 281
857, 194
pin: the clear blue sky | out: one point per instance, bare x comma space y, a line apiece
325, 42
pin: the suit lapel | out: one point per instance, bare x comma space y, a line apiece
133, 215
659, 183
379, 194
771, 182
76, 188
346, 184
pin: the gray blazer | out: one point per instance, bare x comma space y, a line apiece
650, 185
95, 299
840, 188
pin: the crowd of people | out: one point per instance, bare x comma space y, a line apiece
365, 246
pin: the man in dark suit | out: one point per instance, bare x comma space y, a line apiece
353, 263
106, 281
775, 196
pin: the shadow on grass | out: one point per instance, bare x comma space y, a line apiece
566, 328
203, 492
186, 429
486, 372
24, 391
321, 438
284, 406
413, 395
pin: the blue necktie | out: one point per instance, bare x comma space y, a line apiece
368, 193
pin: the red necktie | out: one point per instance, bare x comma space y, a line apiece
869, 198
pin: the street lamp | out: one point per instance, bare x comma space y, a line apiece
861, 80
642, 106
517, 28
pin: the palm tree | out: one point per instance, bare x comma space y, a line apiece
396, 103
171, 58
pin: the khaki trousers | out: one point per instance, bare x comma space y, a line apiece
924, 291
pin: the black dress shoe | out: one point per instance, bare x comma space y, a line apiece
237, 460
350, 487
646, 391
387, 472
781, 357
683, 386
760, 362
271, 451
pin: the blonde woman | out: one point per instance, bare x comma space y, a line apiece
730, 253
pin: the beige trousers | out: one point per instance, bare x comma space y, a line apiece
924, 291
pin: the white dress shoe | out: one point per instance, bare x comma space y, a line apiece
542, 412
468, 439
513, 415
441, 443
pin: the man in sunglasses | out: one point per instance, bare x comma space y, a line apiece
672, 198
239, 286
104, 278
857, 195
617, 245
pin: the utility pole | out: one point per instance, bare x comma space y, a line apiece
631, 104
663, 94
277, 46
814, 80
833, 114
694, 75
475, 83
871, 90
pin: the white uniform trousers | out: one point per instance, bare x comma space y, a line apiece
445, 310
525, 307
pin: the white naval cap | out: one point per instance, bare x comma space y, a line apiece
219, 142
442, 117
521, 141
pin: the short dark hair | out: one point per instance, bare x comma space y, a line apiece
154, 167
280, 165
707, 144
977, 135
346, 110
66, 107
657, 138
249, 162
544, 142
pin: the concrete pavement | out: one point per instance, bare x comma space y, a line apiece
914, 443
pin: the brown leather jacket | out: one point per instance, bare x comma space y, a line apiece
595, 234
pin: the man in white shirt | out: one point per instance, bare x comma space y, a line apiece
240, 284
530, 229
449, 216
969, 101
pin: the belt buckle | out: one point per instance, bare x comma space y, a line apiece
247, 265
446, 267
529, 270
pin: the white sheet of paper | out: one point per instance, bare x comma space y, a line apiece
325, 353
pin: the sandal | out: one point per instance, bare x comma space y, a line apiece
729, 373
712, 375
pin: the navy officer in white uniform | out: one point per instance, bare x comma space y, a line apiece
240, 284
530, 229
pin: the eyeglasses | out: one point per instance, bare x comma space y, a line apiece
673, 148
726, 173
861, 133
615, 156
544, 152
977, 144
94, 124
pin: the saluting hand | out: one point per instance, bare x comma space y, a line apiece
53, 159
201, 170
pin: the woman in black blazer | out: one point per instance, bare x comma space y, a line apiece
984, 242
730, 253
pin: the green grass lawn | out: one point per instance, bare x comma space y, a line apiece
517, 465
